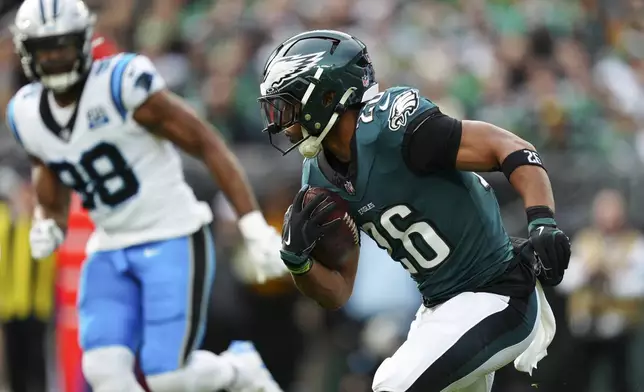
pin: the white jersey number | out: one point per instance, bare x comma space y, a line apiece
367, 113
102, 175
423, 247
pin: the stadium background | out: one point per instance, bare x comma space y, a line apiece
567, 75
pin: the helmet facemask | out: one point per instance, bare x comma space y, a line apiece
279, 112
283, 110
57, 61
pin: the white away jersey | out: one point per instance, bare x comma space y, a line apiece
131, 181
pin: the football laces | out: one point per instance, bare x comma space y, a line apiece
353, 227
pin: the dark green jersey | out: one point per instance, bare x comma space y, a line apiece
444, 228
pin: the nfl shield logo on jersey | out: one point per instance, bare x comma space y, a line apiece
97, 117
365, 80
65, 134
348, 186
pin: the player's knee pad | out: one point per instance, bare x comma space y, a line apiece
110, 369
204, 372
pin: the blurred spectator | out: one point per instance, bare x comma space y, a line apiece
605, 280
26, 289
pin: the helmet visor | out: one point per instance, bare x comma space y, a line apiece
279, 111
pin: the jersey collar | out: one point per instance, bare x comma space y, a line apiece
64, 133
345, 182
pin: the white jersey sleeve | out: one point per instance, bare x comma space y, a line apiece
20, 117
10, 117
136, 79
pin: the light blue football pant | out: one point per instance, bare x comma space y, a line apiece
152, 298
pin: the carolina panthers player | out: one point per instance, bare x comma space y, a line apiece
407, 171
106, 130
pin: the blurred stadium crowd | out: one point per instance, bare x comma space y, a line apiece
567, 75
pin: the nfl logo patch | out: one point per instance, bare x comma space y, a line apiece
348, 186
365, 80
65, 134
97, 117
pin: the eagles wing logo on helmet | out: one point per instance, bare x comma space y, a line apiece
288, 68
403, 106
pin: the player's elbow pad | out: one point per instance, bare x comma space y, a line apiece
431, 142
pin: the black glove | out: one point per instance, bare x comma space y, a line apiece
551, 246
302, 228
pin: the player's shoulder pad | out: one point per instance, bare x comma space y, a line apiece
133, 78
20, 109
399, 105
391, 111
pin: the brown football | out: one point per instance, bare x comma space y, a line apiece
334, 249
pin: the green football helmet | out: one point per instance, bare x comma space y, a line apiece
312, 79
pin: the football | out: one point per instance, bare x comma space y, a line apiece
334, 249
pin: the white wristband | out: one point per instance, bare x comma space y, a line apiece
251, 223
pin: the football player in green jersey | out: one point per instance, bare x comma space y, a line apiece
407, 172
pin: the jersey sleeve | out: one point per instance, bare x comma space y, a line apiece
414, 126
18, 120
396, 110
10, 117
134, 79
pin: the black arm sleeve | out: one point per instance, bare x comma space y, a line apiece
431, 142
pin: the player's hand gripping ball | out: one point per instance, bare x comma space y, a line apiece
335, 246
318, 225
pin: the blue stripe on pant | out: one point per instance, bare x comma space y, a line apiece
152, 298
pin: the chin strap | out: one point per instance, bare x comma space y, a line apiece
312, 145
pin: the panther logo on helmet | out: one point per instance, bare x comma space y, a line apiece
403, 106
288, 68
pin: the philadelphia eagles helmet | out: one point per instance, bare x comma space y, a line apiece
312, 79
